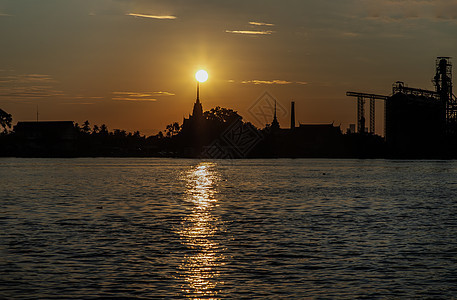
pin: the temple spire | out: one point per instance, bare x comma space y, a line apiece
275, 123
198, 109
198, 92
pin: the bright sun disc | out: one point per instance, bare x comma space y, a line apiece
201, 76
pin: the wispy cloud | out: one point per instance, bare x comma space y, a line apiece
254, 32
29, 92
163, 17
28, 86
5, 15
261, 24
139, 96
86, 97
163, 93
269, 82
251, 32
26, 78
407, 10
350, 34
78, 103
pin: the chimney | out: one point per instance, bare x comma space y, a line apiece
292, 115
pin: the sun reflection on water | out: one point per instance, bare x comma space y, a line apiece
199, 232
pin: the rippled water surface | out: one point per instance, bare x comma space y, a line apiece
175, 228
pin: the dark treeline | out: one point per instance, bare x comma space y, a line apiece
68, 139
217, 133
80, 141
100, 141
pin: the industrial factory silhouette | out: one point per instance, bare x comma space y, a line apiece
418, 123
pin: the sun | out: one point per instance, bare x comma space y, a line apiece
201, 76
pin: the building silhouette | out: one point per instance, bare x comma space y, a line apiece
275, 124
418, 123
195, 131
306, 140
423, 123
46, 138
415, 122
196, 118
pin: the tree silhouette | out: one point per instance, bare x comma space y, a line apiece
86, 127
5, 120
95, 129
119, 133
172, 129
169, 130
176, 127
103, 129
221, 115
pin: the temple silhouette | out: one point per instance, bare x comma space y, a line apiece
195, 131
304, 140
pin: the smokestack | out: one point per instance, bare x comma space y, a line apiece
292, 115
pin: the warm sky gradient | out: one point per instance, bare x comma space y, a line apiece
130, 63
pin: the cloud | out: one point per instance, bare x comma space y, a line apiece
250, 32
164, 93
266, 82
26, 78
28, 86
78, 103
260, 24
85, 97
350, 34
138, 96
270, 82
254, 32
164, 17
390, 11
30, 92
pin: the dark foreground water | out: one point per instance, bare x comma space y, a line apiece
172, 228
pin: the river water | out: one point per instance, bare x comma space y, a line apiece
104, 228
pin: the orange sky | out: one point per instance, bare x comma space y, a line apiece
131, 64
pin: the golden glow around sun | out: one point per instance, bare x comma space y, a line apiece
201, 76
